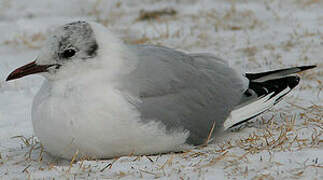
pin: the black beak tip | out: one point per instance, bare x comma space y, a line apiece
10, 77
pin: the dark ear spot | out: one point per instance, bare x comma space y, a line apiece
92, 51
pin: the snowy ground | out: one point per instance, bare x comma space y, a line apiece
255, 35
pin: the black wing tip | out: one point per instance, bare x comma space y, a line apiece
275, 85
292, 81
303, 68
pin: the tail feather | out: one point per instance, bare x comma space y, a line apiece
265, 90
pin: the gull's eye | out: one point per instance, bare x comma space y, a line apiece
68, 53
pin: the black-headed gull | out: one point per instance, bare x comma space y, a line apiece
103, 98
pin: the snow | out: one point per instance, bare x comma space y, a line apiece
285, 142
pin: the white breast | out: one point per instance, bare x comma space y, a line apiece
96, 120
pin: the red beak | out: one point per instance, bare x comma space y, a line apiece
27, 69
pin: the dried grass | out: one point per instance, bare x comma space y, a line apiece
156, 14
33, 41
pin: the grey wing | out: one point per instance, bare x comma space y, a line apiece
184, 91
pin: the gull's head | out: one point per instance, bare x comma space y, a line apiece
71, 45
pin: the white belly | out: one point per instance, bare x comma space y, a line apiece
97, 122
